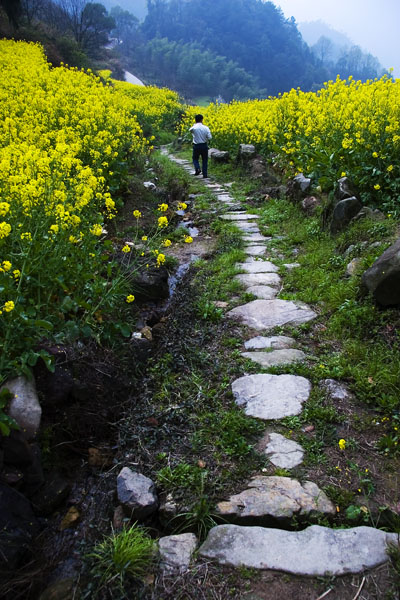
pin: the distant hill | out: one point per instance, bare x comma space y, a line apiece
313, 30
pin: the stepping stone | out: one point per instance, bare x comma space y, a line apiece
275, 342
224, 197
256, 237
252, 279
247, 227
239, 217
266, 396
291, 266
269, 500
257, 266
264, 314
314, 551
255, 250
282, 452
264, 292
276, 357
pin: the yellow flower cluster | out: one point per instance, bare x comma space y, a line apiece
347, 126
154, 107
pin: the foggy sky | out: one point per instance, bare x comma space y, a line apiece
371, 24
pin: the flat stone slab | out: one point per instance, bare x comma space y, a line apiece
256, 237
252, 279
239, 217
282, 452
257, 266
247, 227
274, 342
176, 551
276, 498
264, 292
276, 357
266, 396
264, 314
255, 250
314, 551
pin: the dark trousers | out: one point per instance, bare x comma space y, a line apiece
200, 150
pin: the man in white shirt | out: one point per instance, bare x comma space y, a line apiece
201, 134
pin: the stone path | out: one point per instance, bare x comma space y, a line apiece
274, 500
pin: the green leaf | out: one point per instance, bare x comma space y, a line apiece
124, 329
48, 360
4, 429
44, 324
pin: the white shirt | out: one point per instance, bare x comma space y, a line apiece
201, 133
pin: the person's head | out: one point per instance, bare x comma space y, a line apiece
198, 118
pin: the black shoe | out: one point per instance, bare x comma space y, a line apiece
198, 172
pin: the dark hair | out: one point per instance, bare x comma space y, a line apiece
198, 118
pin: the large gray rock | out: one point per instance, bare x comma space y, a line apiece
314, 551
276, 499
136, 493
343, 213
275, 342
271, 396
246, 152
257, 266
24, 405
382, 279
282, 452
345, 189
265, 314
298, 187
276, 357
176, 551
251, 279
218, 155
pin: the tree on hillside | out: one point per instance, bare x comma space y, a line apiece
126, 26
12, 9
89, 24
252, 33
323, 49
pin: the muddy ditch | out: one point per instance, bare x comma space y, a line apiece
68, 475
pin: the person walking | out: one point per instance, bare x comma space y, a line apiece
201, 134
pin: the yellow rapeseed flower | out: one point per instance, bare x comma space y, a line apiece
162, 222
126, 249
160, 259
130, 298
9, 306
162, 207
342, 444
144, 238
6, 265
167, 243
96, 229
188, 239
377, 186
137, 214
